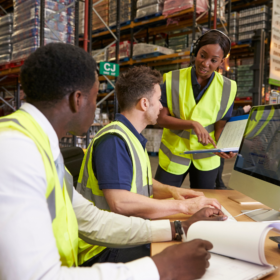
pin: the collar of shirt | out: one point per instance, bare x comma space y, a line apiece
197, 93
45, 125
121, 118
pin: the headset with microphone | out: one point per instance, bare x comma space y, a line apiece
194, 46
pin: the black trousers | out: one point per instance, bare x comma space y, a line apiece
119, 255
219, 180
198, 179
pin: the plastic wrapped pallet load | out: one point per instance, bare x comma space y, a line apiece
59, 25
124, 51
178, 43
252, 19
244, 81
6, 29
144, 3
146, 49
233, 34
174, 6
148, 8
125, 15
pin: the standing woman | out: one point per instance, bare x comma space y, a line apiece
197, 102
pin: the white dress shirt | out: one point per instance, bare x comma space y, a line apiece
27, 244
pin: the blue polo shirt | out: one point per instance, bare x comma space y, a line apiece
111, 159
197, 92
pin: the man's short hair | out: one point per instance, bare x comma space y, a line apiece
56, 70
136, 83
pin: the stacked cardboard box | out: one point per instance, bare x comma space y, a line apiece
103, 10
252, 19
233, 34
244, 81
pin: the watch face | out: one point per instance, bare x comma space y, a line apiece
178, 230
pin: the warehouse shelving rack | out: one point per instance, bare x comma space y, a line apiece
152, 27
238, 51
9, 73
147, 30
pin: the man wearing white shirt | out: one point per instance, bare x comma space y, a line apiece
61, 86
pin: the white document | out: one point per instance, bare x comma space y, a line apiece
224, 268
230, 217
231, 137
238, 248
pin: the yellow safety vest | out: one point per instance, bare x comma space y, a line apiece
213, 105
58, 198
88, 184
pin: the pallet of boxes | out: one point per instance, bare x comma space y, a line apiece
102, 9
58, 26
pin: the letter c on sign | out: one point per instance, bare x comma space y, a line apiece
107, 66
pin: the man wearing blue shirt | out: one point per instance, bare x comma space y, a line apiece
109, 172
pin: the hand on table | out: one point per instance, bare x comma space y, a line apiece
205, 214
181, 194
226, 156
192, 205
186, 261
202, 134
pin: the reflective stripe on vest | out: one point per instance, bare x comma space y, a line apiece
174, 158
175, 93
64, 223
88, 183
175, 83
181, 104
68, 177
100, 201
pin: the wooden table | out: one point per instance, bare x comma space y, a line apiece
272, 252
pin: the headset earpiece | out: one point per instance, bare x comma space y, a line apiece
194, 46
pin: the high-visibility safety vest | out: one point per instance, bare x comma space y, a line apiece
213, 105
88, 184
258, 121
58, 198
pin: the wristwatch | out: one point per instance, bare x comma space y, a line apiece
178, 230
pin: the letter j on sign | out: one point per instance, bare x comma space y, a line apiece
110, 69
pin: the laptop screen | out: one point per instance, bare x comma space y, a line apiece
259, 153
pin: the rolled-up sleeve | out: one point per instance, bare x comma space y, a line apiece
112, 230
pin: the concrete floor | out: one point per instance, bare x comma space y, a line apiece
226, 173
